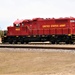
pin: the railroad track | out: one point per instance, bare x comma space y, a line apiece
39, 46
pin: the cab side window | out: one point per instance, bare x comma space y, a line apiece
22, 24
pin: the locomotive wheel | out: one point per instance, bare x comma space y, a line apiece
15, 42
71, 42
10, 42
67, 42
27, 42
53, 42
22, 42
57, 42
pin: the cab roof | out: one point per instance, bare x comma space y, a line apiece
18, 21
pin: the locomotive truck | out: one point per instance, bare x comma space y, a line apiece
54, 30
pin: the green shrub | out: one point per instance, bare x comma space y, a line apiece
1, 33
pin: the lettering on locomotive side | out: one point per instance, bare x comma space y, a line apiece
46, 26
54, 25
17, 29
62, 25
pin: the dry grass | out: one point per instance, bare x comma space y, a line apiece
37, 63
0, 39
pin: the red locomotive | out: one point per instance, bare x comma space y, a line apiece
54, 30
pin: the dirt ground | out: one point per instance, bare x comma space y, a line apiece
37, 63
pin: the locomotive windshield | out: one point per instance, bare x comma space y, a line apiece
17, 25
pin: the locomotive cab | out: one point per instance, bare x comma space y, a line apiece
17, 23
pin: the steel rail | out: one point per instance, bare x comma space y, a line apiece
37, 46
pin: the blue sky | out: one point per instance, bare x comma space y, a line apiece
10, 10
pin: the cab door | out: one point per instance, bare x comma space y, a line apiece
72, 26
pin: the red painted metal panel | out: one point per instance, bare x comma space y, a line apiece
52, 31
65, 31
41, 26
35, 32
59, 31
40, 32
46, 32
